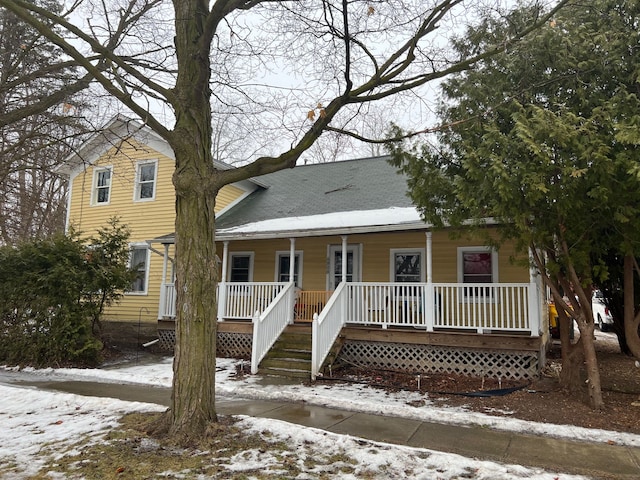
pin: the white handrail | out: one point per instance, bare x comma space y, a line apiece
326, 328
268, 326
243, 299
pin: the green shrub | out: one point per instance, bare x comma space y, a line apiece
53, 291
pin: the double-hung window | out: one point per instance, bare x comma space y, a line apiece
407, 266
283, 263
102, 185
139, 262
241, 267
145, 188
477, 265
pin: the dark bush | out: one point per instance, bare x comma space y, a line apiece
52, 293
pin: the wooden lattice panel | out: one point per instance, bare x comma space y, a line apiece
234, 345
167, 339
436, 359
230, 345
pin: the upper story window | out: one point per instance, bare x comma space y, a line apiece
407, 266
283, 263
146, 173
241, 267
102, 185
139, 261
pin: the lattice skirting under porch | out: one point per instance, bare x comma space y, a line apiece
513, 365
231, 345
167, 339
234, 345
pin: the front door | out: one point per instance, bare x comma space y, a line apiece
335, 265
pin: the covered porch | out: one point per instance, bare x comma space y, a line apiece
484, 315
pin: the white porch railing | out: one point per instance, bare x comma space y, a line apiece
268, 326
326, 328
240, 300
235, 300
167, 301
479, 307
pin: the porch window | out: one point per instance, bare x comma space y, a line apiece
139, 261
101, 185
477, 265
145, 180
407, 266
241, 267
283, 262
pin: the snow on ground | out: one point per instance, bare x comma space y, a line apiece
32, 420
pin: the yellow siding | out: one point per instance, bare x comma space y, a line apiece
146, 219
227, 195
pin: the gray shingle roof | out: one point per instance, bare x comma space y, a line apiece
352, 185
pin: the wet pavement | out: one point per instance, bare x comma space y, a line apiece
597, 460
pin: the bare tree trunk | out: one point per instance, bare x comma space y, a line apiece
193, 396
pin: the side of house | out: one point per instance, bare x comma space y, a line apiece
125, 171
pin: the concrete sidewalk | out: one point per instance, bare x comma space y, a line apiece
596, 460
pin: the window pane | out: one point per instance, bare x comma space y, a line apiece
103, 178
147, 172
407, 267
477, 267
240, 268
146, 190
103, 195
283, 269
139, 263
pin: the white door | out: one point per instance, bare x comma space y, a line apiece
335, 265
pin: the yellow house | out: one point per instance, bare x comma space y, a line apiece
327, 262
125, 171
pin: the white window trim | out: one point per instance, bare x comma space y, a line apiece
136, 184
286, 253
494, 268
241, 254
94, 185
141, 245
392, 262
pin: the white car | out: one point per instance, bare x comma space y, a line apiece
601, 315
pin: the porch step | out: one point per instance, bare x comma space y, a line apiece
290, 356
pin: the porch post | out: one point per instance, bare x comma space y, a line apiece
430, 307
292, 259
292, 277
222, 285
344, 258
534, 299
162, 308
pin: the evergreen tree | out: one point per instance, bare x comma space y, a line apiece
543, 138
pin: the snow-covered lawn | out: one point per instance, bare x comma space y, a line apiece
37, 426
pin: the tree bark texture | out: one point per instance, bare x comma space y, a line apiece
193, 396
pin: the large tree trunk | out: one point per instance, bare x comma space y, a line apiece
193, 397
